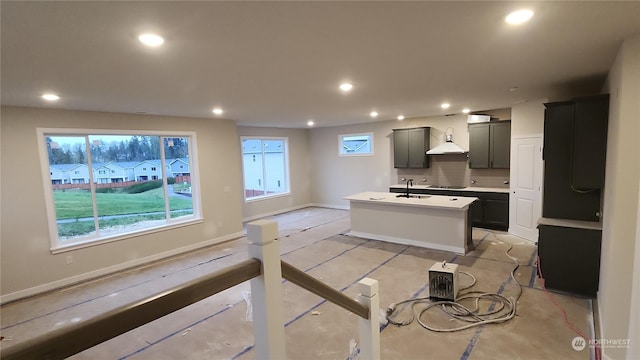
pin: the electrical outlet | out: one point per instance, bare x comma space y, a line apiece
69, 260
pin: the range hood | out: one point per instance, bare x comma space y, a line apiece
449, 147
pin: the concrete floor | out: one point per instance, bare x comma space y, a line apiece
314, 240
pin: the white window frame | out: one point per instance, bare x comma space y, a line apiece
57, 246
341, 147
287, 171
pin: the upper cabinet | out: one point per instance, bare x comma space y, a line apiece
575, 144
490, 145
410, 147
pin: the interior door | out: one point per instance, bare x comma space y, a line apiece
526, 187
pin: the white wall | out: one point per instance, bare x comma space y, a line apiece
299, 165
27, 263
337, 176
620, 210
527, 119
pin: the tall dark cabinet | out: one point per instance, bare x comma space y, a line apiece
575, 140
570, 232
490, 145
410, 147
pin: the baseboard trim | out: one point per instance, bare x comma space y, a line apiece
73, 280
332, 206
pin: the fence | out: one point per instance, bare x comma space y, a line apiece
85, 186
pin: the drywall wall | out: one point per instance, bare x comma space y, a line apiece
27, 263
527, 119
334, 176
299, 180
634, 316
620, 208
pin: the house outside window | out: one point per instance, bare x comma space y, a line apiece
87, 210
265, 165
355, 144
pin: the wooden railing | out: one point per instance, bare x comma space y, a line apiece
64, 342
264, 269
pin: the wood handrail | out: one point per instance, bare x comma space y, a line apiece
309, 283
67, 341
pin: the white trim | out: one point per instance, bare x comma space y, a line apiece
341, 145
56, 245
112, 269
104, 240
403, 241
287, 171
332, 206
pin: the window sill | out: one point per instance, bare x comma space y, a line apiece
267, 197
105, 240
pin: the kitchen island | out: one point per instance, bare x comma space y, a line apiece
429, 221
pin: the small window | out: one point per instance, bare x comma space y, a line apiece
356, 144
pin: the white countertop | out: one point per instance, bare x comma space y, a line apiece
429, 201
589, 225
470, 188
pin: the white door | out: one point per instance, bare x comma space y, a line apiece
525, 202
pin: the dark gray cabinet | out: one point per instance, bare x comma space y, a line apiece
490, 211
570, 258
574, 154
490, 145
410, 147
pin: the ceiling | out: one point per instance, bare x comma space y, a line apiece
279, 64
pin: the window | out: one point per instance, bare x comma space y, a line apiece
86, 206
265, 164
355, 144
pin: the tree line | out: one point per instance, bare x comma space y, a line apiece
137, 148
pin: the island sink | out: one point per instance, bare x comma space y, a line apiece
413, 196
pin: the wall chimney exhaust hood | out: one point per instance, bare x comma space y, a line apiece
449, 147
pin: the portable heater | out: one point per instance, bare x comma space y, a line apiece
443, 281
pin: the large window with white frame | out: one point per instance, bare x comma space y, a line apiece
265, 165
107, 185
355, 144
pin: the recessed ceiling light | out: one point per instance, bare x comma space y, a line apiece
445, 105
151, 39
519, 17
217, 111
50, 97
400, 117
310, 123
346, 87
465, 110
373, 114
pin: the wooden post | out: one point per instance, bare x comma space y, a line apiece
369, 329
266, 290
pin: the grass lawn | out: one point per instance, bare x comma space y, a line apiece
73, 204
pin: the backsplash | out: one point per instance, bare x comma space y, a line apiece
453, 170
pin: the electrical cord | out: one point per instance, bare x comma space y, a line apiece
564, 313
504, 311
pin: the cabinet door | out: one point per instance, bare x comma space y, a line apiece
417, 147
400, 148
477, 213
560, 200
496, 213
479, 146
500, 142
570, 258
590, 142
